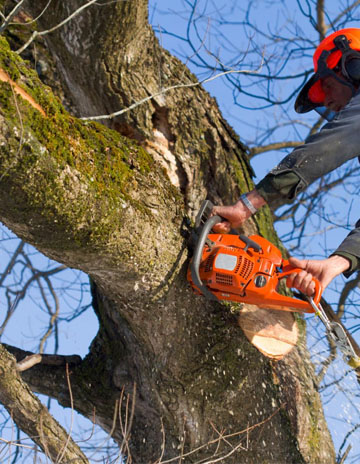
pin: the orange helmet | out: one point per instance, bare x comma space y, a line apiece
337, 52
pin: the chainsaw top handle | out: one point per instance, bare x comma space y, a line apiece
195, 264
288, 269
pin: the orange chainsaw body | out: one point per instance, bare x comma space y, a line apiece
234, 271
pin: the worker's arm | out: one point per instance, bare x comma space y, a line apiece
237, 213
350, 249
334, 145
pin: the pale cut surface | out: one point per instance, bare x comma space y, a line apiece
273, 333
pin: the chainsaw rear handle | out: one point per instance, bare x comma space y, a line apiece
288, 270
195, 264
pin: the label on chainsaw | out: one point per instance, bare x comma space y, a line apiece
225, 262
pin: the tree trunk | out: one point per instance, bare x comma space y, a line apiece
111, 203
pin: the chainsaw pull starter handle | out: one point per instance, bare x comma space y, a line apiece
288, 269
250, 243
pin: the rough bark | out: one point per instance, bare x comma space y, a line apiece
96, 200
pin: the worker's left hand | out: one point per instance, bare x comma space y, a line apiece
235, 215
325, 270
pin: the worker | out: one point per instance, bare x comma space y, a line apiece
333, 91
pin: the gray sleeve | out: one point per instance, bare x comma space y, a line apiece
350, 249
335, 144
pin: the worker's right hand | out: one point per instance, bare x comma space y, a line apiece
324, 270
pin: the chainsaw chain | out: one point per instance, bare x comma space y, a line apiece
337, 333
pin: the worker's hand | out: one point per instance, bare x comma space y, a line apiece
237, 213
325, 270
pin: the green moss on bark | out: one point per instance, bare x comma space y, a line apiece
88, 163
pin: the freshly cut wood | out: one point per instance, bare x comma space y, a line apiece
18, 90
273, 333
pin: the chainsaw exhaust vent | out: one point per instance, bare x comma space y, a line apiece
224, 279
244, 267
209, 263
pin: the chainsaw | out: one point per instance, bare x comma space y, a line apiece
241, 269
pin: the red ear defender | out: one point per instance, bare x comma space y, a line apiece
316, 93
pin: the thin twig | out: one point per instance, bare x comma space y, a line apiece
9, 442
10, 16
66, 20
163, 91
158, 461
345, 455
62, 452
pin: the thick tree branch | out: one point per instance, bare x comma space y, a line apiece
26, 359
31, 416
101, 200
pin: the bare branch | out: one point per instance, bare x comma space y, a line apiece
162, 92
346, 11
30, 415
321, 25
272, 146
345, 455
25, 358
28, 362
10, 16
